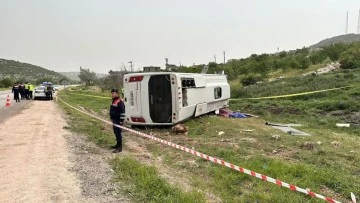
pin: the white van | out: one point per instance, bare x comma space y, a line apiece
166, 98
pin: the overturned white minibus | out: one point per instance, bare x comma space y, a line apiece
166, 98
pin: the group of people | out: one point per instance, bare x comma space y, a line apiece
23, 91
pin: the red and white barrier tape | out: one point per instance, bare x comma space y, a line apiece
218, 161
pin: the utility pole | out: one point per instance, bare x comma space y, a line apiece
215, 58
131, 66
347, 22
358, 28
224, 57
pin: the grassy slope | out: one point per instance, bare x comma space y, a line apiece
5, 88
329, 167
16, 70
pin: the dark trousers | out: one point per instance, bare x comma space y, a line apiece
30, 94
117, 132
49, 95
22, 94
16, 96
27, 94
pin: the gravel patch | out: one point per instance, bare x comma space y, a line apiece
93, 170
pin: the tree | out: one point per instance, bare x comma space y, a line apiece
317, 57
86, 76
6, 82
334, 51
350, 59
250, 79
303, 61
64, 81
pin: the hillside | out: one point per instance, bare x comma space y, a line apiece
75, 75
346, 39
23, 71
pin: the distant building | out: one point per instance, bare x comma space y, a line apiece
116, 72
151, 69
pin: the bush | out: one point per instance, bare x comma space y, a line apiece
350, 59
250, 79
6, 82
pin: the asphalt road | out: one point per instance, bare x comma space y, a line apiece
14, 109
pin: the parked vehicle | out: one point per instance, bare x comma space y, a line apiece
168, 98
39, 92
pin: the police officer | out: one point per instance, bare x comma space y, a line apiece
16, 91
22, 91
117, 113
49, 92
31, 89
27, 90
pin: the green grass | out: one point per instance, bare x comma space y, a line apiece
145, 184
97, 131
143, 181
297, 84
329, 169
5, 88
254, 150
297, 72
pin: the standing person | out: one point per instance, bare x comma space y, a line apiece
117, 113
49, 92
22, 91
27, 90
31, 89
46, 92
16, 91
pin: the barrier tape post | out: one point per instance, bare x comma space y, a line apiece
217, 161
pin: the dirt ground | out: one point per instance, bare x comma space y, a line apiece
40, 161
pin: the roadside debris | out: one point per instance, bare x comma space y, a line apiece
336, 143
328, 68
276, 137
307, 145
348, 125
233, 114
343, 125
179, 129
288, 128
221, 132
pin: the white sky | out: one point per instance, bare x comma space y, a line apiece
63, 35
